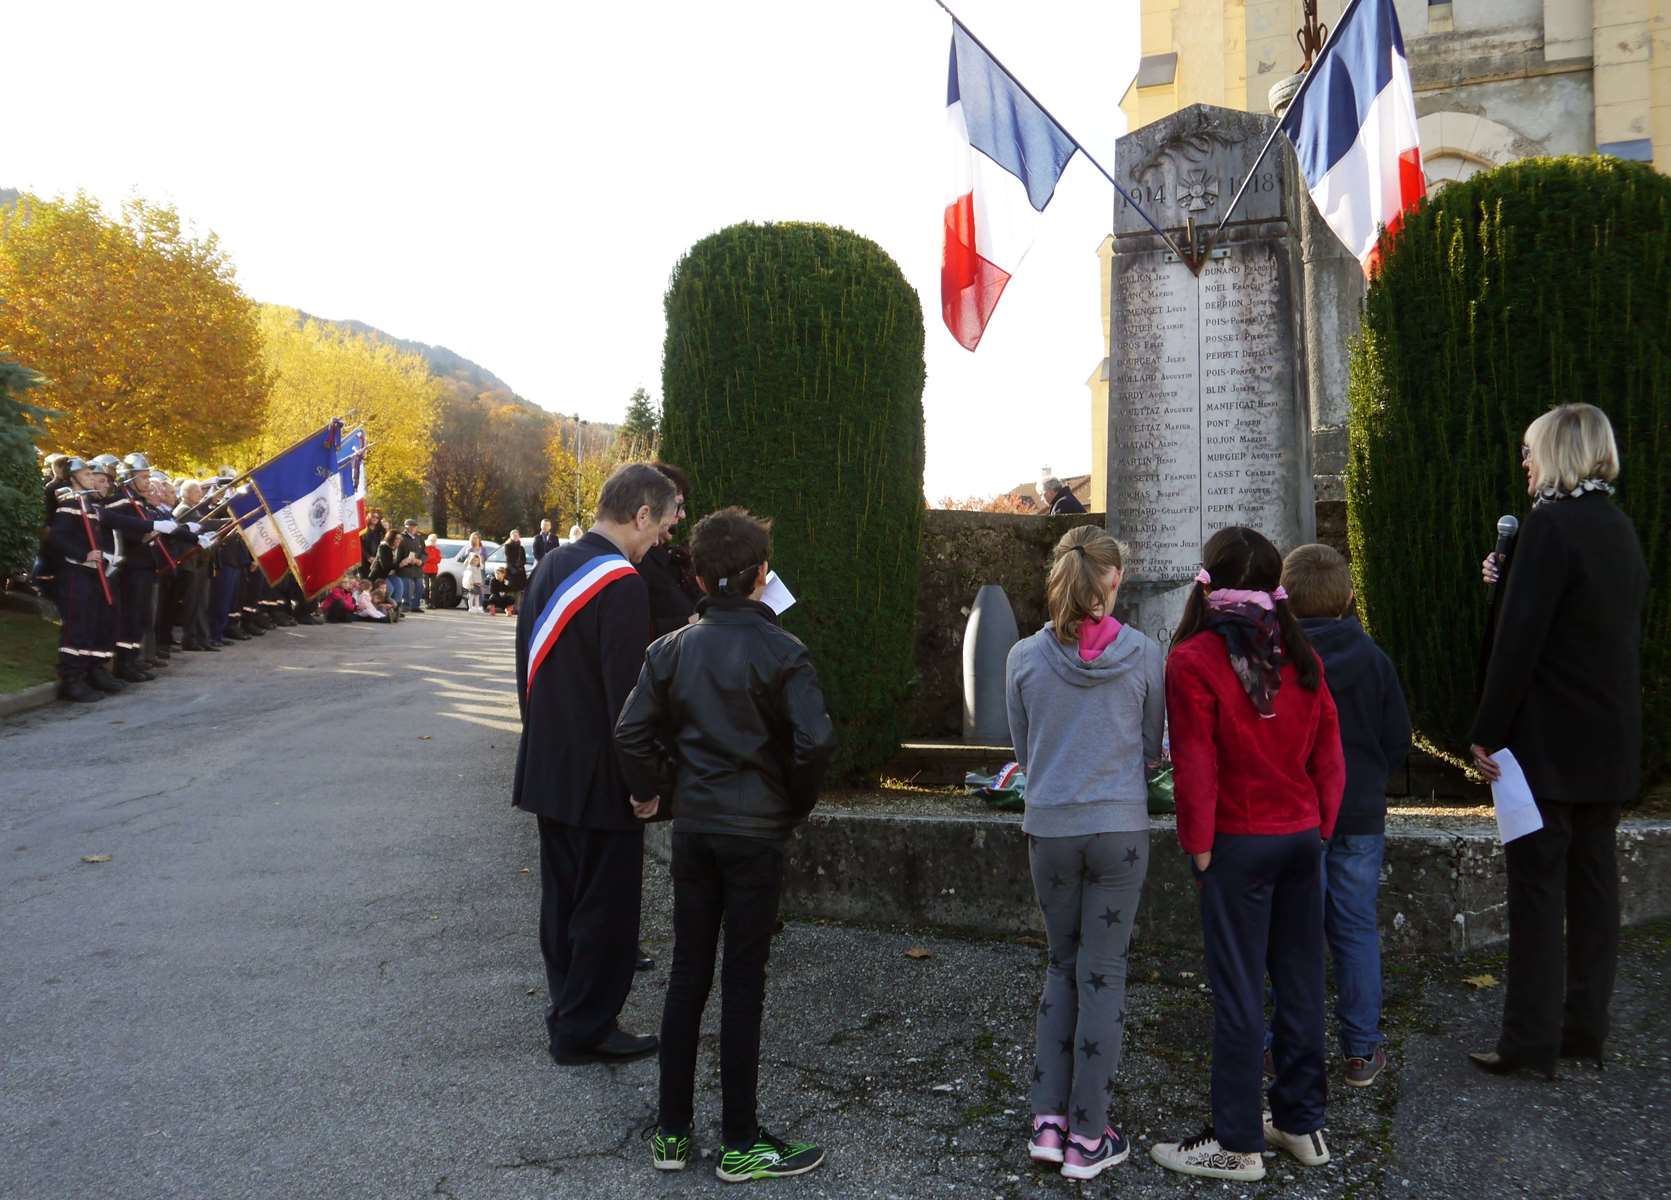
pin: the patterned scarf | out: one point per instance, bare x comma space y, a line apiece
1253, 640
1547, 494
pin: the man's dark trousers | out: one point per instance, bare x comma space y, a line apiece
590, 885
1565, 873
719, 879
1262, 910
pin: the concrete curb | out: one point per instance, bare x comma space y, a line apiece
1442, 890
31, 697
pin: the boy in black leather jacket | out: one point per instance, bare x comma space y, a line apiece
728, 725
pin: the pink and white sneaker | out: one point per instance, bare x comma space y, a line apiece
1087, 1162
1050, 1134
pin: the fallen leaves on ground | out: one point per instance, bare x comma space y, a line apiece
95, 858
424, 737
919, 952
1481, 981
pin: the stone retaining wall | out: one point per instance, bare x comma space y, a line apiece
961, 552
1442, 890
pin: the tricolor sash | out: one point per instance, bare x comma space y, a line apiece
572, 595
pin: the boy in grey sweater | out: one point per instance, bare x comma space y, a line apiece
1087, 711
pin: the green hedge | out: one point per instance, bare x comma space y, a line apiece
792, 382
20, 478
1543, 282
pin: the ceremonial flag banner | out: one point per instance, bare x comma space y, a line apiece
1008, 155
1353, 125
301, 504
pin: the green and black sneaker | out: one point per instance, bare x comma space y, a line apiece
768, 1158
669, 1152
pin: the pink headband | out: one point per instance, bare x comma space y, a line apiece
1236, 596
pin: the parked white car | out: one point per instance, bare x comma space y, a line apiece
448, 588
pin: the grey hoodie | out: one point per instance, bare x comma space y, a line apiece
1084, 730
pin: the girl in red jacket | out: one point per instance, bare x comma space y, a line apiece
1258, 773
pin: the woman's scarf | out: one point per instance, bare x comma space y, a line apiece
1545, 495
1247, 623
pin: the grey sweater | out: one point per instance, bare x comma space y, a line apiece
1083, 731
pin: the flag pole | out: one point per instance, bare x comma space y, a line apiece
1077, 144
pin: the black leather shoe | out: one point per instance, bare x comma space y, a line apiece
1573, 1046
101, 678
617, 1046
1493, 1063
645, 962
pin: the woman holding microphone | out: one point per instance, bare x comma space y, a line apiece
1563, 693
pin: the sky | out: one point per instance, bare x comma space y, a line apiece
517, 181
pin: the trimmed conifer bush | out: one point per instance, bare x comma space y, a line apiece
1543, 282
20, 480
792, 382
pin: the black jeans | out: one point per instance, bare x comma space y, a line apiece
590, 892
1565, 874
1262, 910
735, 882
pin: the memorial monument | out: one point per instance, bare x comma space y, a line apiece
1207, 414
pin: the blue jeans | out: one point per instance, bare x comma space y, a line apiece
414, 592
1351, 882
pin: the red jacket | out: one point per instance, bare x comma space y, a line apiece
1236, 772
432, 560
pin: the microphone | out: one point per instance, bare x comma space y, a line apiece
1508, 528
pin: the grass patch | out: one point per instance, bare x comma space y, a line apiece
28, 650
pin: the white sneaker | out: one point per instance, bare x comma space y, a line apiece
1205, 1157
1306, 1148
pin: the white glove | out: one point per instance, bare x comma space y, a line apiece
194, 527
165, 526
206, 540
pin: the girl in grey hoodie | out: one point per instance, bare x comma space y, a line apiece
1087, 709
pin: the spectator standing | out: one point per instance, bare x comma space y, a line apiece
727, 724
544, 542
432, 566
474, 559
666, 568
1563, 693
383, 562
1060, 498
1087, 708
516, 562
409, 566
371, 538
572, 677
575, 533
1258, 774
1375, 738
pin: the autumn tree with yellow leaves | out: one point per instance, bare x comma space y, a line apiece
320, 371
140, 331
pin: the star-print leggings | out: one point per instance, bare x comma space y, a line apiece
1088, 889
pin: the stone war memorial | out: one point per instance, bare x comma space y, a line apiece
1208, 418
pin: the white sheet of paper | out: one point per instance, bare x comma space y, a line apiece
777, 597
1511, 795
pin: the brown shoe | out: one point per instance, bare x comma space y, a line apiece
1361, 1072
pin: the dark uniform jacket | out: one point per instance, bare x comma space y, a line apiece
728, 719
516, 566
544, 543
566, 765
1563, 690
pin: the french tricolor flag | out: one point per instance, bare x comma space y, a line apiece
1008, 156
1353, 125
572, 595
306, 507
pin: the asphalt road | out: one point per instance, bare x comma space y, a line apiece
309, 969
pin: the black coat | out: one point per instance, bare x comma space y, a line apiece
1065, 503
544, 543
1374, 722
382, 561
410, 543
516, 566
566, 765
370, 540
1563, 690
672, 597
727, 718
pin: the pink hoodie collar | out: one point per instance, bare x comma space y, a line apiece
1096, 636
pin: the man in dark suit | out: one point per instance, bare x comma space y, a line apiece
580, 639
544, 542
